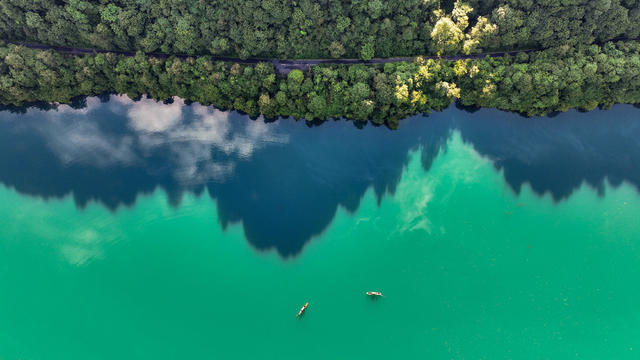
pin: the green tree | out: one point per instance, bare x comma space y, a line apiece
367, 51
336, 49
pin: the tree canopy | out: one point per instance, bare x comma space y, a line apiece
534, 83
318, 29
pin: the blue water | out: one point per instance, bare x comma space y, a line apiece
284, 180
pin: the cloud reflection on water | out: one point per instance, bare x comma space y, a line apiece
283, 181
157, 126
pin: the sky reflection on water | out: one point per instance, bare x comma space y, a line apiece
283, 180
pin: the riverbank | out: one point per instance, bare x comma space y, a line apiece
534, 83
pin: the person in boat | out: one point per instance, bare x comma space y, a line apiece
303, 309
374, 293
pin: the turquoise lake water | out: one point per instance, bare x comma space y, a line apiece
142, 230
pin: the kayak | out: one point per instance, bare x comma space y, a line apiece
374, 293
303, 309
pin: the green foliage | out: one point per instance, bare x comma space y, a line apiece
367, 51
318, 29
536, 83
110, 13
295, 77
336, 49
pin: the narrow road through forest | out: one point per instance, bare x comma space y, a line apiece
282, 66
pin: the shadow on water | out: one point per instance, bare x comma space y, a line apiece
557, 155
282, 180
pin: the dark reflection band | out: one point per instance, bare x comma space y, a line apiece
283, 180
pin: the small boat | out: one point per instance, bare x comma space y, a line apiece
374, 293
303, 309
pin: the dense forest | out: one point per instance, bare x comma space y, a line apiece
580, 54
318, 28
535, 83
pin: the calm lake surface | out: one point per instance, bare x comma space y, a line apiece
143, 230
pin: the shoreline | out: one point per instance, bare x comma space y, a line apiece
535, 83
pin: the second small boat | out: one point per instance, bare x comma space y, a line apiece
374, 293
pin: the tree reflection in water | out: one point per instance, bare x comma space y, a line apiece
284, 181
